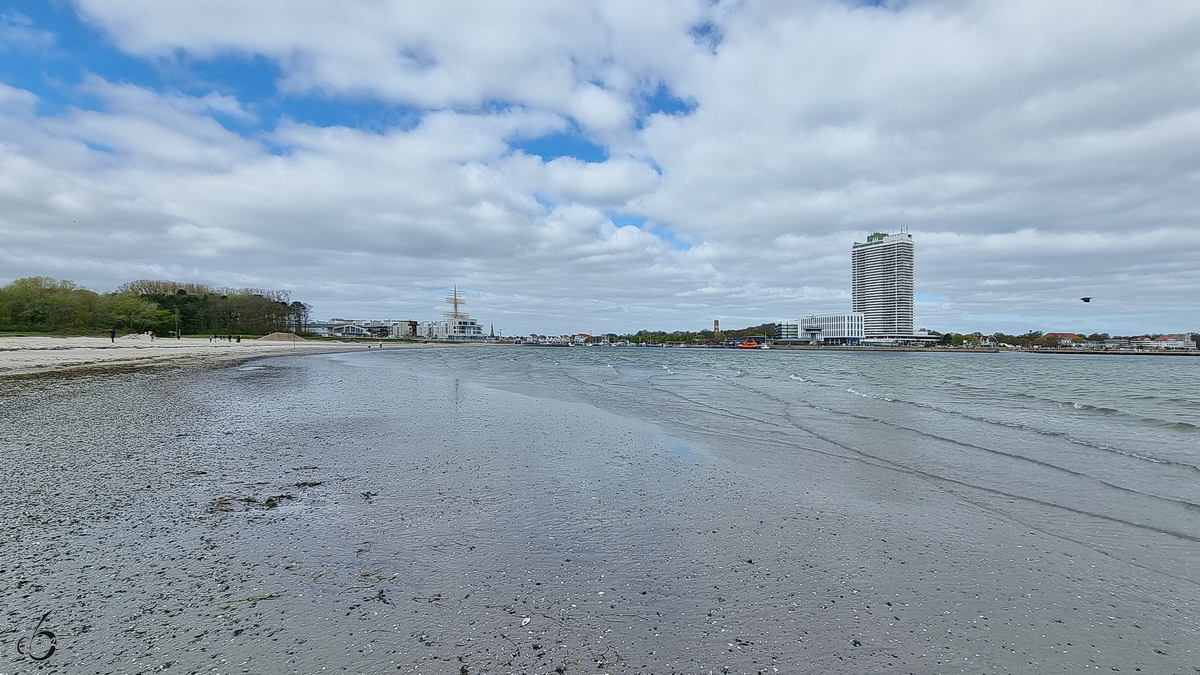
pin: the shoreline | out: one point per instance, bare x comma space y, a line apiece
969, 350
35, 357
847, 348
985, 350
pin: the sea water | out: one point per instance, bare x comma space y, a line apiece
1092, 442
510, 509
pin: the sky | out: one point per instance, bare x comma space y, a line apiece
612, 165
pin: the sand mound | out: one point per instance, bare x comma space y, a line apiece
279, 337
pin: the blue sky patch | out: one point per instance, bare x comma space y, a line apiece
668, 235
707, 35
368, 114
251, 78
662, 100
561, 144
99, 147
48, 50
623, 220
491, 106
665, 233
887, 5
51, 68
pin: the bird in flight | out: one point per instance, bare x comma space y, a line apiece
1086, 299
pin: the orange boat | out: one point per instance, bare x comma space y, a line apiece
748, 344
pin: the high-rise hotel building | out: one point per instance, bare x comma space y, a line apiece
882, 270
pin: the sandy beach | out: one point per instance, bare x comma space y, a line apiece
26, 356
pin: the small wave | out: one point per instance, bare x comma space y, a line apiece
1113, 412
1062, 405
887, 399
1186, 426
1096, 409
1187, 402
797, 378
1143, 457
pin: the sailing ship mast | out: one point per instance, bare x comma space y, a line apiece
456, 300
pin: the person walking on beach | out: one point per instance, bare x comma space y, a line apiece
112, 335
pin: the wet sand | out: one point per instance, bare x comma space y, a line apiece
24, 356
312, 513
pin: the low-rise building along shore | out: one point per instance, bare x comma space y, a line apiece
835, 328
1071, 341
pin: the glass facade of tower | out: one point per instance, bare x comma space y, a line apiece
882, 288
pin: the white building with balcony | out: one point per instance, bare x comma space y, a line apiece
840, 328
461, 327
882, 284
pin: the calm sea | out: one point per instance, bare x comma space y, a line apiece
1100, 448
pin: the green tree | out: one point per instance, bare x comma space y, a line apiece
45, 304
130, 309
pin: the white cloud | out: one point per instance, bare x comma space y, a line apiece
550, 56
21, 36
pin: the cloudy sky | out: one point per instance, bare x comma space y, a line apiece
610, 165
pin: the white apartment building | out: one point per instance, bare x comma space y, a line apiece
1178, 341
458, 328
787, 330
846, 328
843, 328
882, 285
433, 330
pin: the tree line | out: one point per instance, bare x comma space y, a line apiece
45, 305
1030, 339
1034, 338
700, 336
